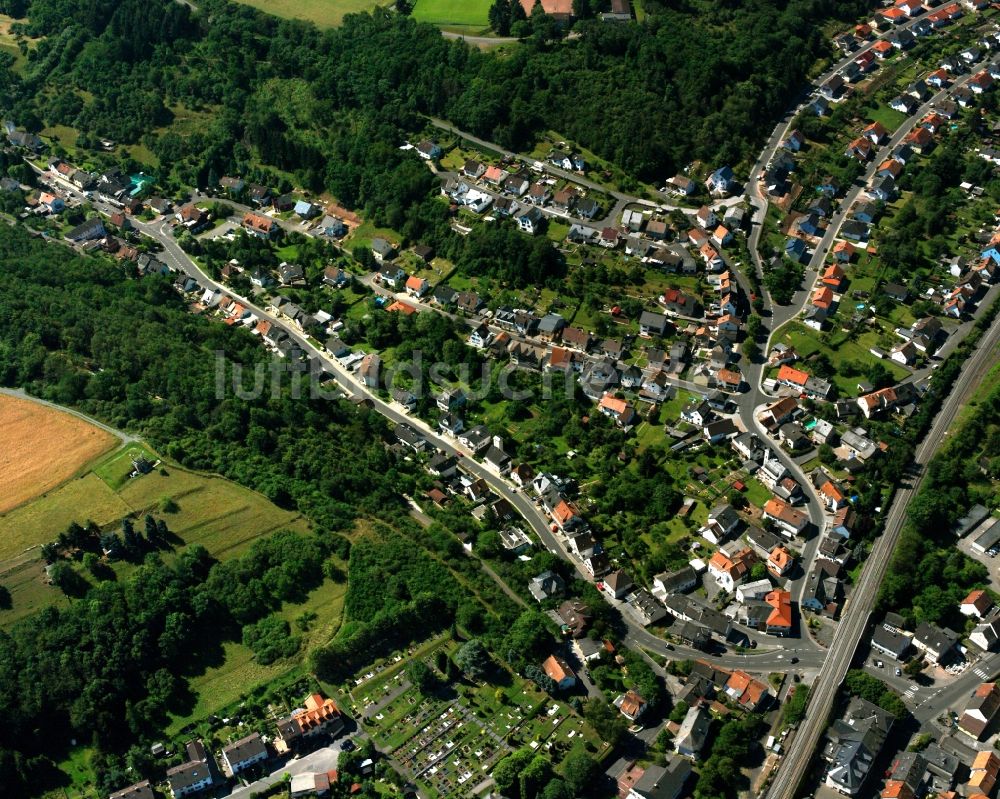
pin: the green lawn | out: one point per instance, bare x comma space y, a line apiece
840, 347
889, 117
325, 13
114, 470
453, 13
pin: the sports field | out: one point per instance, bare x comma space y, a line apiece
325, 13
454, 13
458, 14
40, 448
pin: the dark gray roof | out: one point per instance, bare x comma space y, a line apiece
245, 749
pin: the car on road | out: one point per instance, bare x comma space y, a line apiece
899, 672
795, 660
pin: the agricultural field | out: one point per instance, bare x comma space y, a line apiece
42, 448
325, 13
221, 516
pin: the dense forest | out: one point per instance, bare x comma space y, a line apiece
695, 80
130, 353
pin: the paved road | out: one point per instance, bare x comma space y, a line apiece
854, 622
840, 216
175, 257
479, 41
125, 438
758, 198
321, 760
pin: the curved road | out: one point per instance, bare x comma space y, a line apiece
20, 393
172, 253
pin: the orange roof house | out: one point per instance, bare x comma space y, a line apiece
919, 138
564, 512
882, 48
559, 671
896, 789
833, 276
875, 132
977, 603
985, 770
320, 713
401, 307
258, 225
823, 297
729, 378
832, 495
786, 374
780, 620
617, 409
844, 250
745, 690
780, 561
631, 705
891, 167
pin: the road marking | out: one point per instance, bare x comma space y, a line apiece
981, 673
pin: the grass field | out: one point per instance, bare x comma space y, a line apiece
220, 686
223, 517
453, 13
40, 448
325, 13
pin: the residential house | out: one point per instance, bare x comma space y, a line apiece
194, 775
530, 221
978, 603
981, 712
934, 642
854, 743
675, 582
416, 286
660, 782
731, 571
244, 753
140, 790
320, 715
257, 225
368, 371
691, 737
618, 409
546, 585
559, 671
891, 642
987, 635
983, 774
750, 694
391, 275
720, 182
756, 590
647, 608
652, 324
789, 521
618, 583
631, 705
780, 562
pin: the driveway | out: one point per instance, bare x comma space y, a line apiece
322, 760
